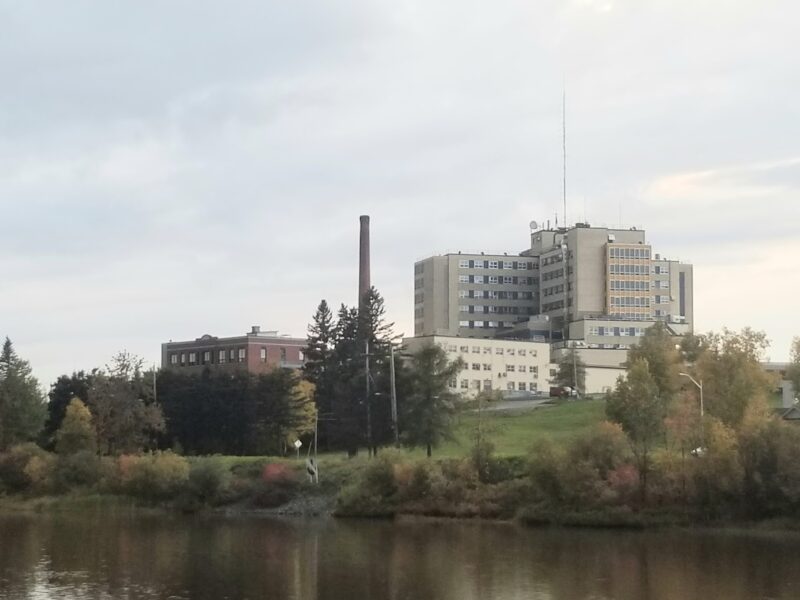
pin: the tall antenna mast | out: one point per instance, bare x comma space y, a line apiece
564, 148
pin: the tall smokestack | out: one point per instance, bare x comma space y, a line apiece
363, 260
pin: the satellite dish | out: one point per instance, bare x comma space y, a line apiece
534, 225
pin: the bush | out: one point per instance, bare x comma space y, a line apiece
26, 468
207, 479
154, 477
82, 468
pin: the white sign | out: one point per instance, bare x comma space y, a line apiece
298, 444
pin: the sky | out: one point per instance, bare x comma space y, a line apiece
170, 169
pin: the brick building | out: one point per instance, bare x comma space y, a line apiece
257, 351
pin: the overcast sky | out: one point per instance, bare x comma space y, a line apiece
175, 168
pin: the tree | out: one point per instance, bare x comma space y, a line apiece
283, 411
22, 408
62, 392
124, 422
76, 433
638, 406
657, 347
734, 382
571, 371
428, 410
319, 344
793, 372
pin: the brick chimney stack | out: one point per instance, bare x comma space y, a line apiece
363, 260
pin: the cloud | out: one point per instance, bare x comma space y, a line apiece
172, 169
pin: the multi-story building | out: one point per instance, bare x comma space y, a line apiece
473, 295
601, 273
512, 366
257, 352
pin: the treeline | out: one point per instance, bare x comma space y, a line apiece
345, 389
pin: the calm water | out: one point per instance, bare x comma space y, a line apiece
71, 557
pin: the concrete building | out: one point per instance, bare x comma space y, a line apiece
257, 352
602, 273
473, 295
516, 368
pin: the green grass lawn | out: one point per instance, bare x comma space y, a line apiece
512, 433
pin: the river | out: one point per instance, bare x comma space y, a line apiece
97, 556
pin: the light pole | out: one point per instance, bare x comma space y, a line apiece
700, 387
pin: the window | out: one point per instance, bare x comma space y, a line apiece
478, 278
207, 356
301, 355
242, 354
492, 264
464, 384
478, 323
498, 350
487, 384
463, 293
222, 357
535, 371
173, 359
452, 383
507, 264
464, 264
476, 384
521, 368
476, 349
476, 367
487, 367
463, 323
511, 352
510, 386
493, 279
522, 352
263, 354
553, 372
463, 279
507, 279
192, 358
233, 354
487, 349
452, 348
463, 349
521, 386
183, 359
509, 368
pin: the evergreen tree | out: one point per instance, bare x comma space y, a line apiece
76, 433
428, 410
345, 425
22, 408
319, 344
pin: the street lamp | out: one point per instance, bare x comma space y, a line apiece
699, 386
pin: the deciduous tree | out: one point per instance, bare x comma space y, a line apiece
76, 433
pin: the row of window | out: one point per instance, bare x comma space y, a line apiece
486, 324
552, 290
615, 269
495, 295
551, 260
616, 331
487, 385
496, 264
628, 285
555, 274
497, 280
642, 315
220, 357
502, 310
643, 301
548, 306
509, 368
629, 253
488, 350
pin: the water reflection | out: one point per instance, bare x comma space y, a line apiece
94, 557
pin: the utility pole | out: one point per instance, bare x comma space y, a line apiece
155, 391
394, 396
366, 398
575, 370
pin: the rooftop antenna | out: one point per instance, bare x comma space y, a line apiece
564, 148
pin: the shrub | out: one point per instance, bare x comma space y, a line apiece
154, 477
545, 471
82, 468
26, 468
207, 479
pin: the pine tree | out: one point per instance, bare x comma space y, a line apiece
319, 344
22, 408
571, 371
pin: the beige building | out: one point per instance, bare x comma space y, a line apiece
516, 368
595, 272
473, 295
